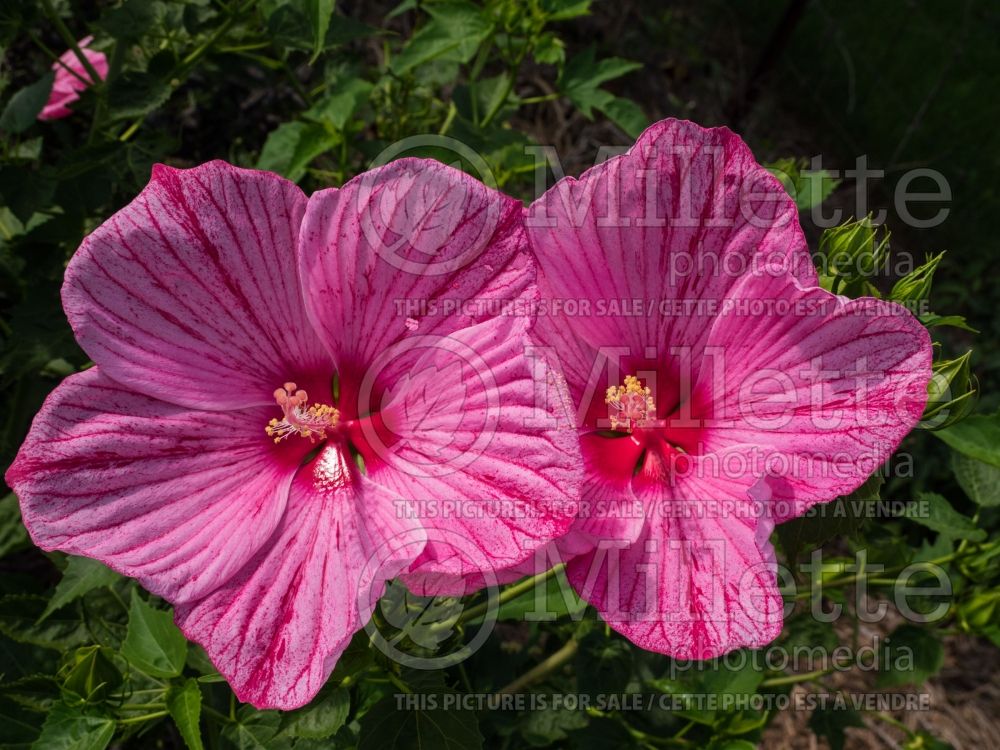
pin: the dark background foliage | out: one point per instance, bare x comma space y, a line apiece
316, 92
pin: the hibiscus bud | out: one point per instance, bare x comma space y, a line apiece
951, 393
916, 285
852, 253
90, 676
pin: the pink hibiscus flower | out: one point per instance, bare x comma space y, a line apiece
72, 78
719, 389
266, 417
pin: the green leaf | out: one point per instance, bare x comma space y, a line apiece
19, 621
911, 656
18, 728
977, 436
153, 644
935, 512
808, 188
292, 146
71, 729
842, 517
184, 705
562, 10
81, 576
23, 108
255, 730
930, 320
626, 114
92, 675
340, 105
556, 597
453, 34
541, 728
583, 75
978, 479
136, 94
319, 12
830, 723
386, 728
321, 718
13, 535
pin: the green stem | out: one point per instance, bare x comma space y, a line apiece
794, 679
512, 592
70, 40
55, 58
848, 580
146, 717
544, 669
141, 706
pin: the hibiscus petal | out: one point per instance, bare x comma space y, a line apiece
276, 630
190, 293
71, 78
678, 220
826, 387
484, 448
179, 499
394, 252
700, 580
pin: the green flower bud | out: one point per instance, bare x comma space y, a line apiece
916, 285
951, 393
853, 252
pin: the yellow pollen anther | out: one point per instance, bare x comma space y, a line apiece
630, 405
307, 421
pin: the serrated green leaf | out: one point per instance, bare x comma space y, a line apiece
19, 622
583, 74
977, 436
626, 114
453, 34
136, 94
81, 576
935, 512
978, 479
292, 146
23, 108
384, 727
153, 645
321, 718
319, 12
68, 728
911, 655
184, 705
18, 728
255, 730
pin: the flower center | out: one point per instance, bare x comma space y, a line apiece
630, 405
308, 421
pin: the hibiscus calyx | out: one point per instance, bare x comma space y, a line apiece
630, 405
307, 421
